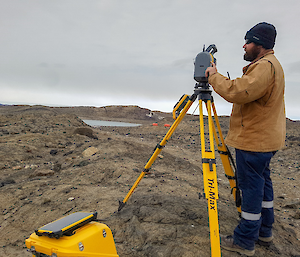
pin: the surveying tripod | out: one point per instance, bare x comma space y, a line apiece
203, 93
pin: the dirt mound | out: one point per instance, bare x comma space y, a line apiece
53, 164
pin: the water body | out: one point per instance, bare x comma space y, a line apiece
100, 123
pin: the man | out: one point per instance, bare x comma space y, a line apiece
257, 131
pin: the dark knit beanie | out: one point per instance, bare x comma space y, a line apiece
262, 34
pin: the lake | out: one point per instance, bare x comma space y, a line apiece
100, 123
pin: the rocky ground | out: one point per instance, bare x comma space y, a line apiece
53, 164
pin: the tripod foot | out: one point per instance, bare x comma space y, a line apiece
121, 205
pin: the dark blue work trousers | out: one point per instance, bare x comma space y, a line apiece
253, 176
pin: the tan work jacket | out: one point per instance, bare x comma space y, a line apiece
257, 121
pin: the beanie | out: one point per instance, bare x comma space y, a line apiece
262, 34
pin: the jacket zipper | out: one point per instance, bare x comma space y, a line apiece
241, 117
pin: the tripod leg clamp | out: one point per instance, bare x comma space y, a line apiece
238, 198
210, 162
230, 177
158, 146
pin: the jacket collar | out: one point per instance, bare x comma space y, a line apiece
265, 53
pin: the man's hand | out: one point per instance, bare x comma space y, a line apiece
211, 70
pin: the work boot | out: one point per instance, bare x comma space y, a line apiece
228, 244
265, 241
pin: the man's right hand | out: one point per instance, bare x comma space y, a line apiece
211, 70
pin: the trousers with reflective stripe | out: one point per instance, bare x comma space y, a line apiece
253, 175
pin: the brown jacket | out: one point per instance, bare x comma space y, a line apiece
257, 121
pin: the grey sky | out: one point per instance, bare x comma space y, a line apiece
133, 52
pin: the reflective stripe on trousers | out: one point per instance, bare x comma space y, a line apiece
252, 216
267, 204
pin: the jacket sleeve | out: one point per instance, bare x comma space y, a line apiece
250, 87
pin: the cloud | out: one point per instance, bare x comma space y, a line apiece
129, 51
293, 69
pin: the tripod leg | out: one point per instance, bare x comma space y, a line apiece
210, 179
225, 156
157, 150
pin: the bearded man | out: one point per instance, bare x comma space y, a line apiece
257, 131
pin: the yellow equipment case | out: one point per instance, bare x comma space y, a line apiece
76, 235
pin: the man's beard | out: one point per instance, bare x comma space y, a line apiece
252, 55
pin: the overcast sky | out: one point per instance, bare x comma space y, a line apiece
133, 52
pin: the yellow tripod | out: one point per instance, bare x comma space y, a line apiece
203, 93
